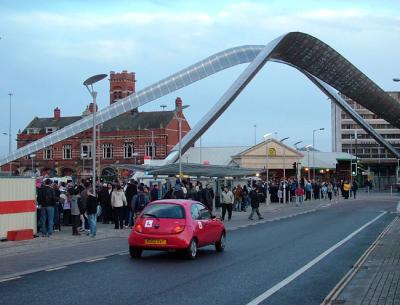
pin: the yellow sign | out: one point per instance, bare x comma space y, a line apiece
272, 152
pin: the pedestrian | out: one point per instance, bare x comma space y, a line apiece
346, 189
91, 211
255, 203
354, 188
118, 201
47, 210
245, 198
280, 194
75, 210
299, 195
154, 193
238, 198
177, 191
205, 197
308, 189
330, 190
139, 202
130, 191
65, 200
227, 199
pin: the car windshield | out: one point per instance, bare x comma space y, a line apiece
164, 210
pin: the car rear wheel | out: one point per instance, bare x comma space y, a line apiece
191, 252
135, 252
220, 245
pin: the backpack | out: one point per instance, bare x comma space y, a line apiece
140, 202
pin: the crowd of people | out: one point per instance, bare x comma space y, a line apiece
80, 206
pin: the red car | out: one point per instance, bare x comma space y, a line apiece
176, 224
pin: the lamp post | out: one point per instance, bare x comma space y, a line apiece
9, 132
89, 82
284, 169
297, 143
255, 134
152, 143
308, 160
313, 145
398, 165
32, 156
267, 165
178, 110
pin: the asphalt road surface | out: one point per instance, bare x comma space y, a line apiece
257, 258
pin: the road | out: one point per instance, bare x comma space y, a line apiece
257, 258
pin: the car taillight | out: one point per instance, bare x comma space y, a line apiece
178, 229
139, 228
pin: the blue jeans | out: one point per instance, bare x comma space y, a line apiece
47, 220
92, 219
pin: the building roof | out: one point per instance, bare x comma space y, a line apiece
42, 123
325, 159
212, 155
125, 121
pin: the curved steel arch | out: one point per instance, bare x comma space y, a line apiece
322, 64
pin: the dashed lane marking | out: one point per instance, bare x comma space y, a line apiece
10, 279
55, 268
95, 260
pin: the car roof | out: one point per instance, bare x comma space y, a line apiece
183, 202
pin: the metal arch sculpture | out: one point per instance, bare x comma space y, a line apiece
323, 65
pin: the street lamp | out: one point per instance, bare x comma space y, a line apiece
308, 160
89, 82
266, 163
398, 167
32, 156
178, 109
9, 132
152, 143
297, 143
313, 145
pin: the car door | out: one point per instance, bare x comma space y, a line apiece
198, 225
208, 224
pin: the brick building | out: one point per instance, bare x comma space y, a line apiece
125, 139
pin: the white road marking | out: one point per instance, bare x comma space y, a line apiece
123, 253
55, 268
303, 269
95, 260
10, 279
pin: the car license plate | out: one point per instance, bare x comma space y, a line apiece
155, 241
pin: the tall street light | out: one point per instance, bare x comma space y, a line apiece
308, 160
178, 111
266, 163
284, 168
398, 161
297, 143
89, 82
313, 145
9, 132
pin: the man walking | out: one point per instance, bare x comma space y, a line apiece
47, 211
227, 199
255, 203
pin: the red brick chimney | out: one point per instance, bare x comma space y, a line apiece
57, 113
178, 105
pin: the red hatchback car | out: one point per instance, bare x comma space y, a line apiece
176, 224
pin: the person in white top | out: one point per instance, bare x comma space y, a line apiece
118, 201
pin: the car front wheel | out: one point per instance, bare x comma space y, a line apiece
135, 252
220, 244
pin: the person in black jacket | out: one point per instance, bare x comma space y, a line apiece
130, 191
91, 211
48, 201
105, 202
255, 203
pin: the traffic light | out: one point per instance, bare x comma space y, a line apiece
294, 165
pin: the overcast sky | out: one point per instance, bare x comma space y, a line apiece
48, 48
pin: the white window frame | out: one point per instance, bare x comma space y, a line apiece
89, 148
66, 148
51, 129
127, 146
108, 151
32, 130
148, 149
48, 153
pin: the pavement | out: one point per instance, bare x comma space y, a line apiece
375, 278
286, 258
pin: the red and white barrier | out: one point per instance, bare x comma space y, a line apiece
17, 206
